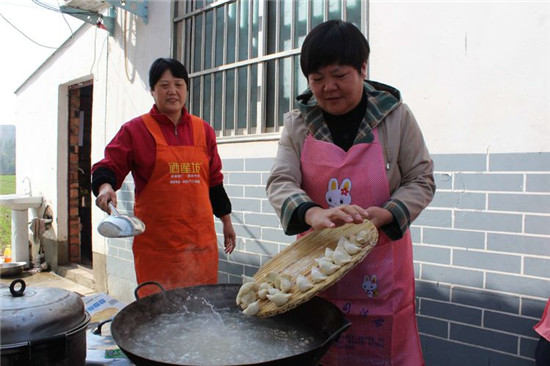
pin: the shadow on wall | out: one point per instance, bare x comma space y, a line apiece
462, 326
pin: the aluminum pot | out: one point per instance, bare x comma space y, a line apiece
41, 326
320, 317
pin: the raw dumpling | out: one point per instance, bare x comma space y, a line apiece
271, 277
252, 309
329, 253
303, 283
351, 248
341, 257
246, 288
362, 237
342, 241
283, 282
262, 293
327, 267
248, 298
324, 259
279, 298
317, 275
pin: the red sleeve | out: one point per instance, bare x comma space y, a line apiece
216, 176
133, 149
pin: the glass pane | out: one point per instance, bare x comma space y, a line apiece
229, 100
285, 87
219, 36
195, 91
187, 44
255, 27
300, 81
285, 13
179, 8
231, 24
334, 9
207, 98
242, 105
253, 95
243, 29
300, 27
270, 95
209, 26
317, 12
353, 12
199, 4
271, 26
197, 49
218, 84
177, 41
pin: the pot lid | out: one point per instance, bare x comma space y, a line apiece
28, 314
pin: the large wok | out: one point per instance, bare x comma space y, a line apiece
317, 316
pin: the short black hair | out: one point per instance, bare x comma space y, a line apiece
334, 42
161, 65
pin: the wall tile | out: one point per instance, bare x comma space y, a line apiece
488, 221
538, 183
459, 162
454, 238
487, 260
485, 338
489, 182
486, 299
520, 162
534, 203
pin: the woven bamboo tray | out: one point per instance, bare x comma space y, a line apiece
299, 257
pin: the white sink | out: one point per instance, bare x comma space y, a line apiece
20, 201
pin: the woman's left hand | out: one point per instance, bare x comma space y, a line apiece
229, 236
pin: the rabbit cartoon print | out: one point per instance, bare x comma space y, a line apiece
338, 195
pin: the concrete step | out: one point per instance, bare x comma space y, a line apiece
77, 273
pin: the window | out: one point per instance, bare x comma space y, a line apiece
243, 57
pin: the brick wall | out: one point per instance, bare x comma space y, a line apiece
481, 252
73, 183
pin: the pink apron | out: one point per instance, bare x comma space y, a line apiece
377, 296
543, 326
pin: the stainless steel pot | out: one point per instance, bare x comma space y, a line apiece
317, 317
11, 268
41, 326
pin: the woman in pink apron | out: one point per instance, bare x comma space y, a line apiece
352, 151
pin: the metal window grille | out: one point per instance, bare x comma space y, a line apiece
243, 58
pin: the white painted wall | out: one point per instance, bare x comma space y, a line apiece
42, 115
475, 74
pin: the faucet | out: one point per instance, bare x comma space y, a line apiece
28, 189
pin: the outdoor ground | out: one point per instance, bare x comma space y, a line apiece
7, 185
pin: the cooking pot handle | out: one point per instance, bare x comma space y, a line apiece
17, 293
100, 325
144, 284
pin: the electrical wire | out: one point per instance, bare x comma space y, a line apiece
29, 38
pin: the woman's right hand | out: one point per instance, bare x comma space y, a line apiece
320, 218
105, 195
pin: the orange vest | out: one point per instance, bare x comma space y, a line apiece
179, 245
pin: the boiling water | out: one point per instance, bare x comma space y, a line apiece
221, 337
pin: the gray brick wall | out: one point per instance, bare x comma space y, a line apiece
481, 252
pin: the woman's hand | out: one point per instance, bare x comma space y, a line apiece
106, 194
319, 218
229, 236
379, 216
